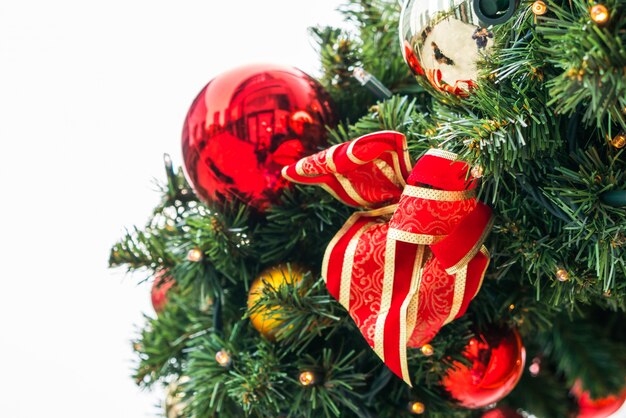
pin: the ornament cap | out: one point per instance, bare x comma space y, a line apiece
495, 12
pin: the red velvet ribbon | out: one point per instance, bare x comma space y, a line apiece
413, 261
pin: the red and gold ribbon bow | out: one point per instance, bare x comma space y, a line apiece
414, 260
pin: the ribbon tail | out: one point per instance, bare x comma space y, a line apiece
402, 274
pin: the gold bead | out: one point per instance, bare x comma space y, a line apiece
539, 8
511, 307
619, 141
223, 358
562, 275
599, 14
477, 171
307, 378
427, 350
194, 255
417, 408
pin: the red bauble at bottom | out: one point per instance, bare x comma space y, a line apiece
161, 285
596, 408
496, 364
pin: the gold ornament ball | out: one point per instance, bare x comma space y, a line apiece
619, 141
267, 320
599, 13
539, 8
417, 408
562, 275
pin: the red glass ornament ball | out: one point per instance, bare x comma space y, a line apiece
496, 362
596, 408
161, 285
245, 125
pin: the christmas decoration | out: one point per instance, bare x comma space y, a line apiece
161, 285
245, 125
415, 245
444, 44
496, 360
596, 408
194, 255
543, 131
265, 321
501, 412
417, 408
599, 14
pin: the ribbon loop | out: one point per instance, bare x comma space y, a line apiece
414, 262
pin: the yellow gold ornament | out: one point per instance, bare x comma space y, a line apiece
417, 408
539, 8
266, 320
619, 141
599, 14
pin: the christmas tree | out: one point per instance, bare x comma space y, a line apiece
465, 255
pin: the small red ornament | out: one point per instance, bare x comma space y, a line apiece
248, 123
496, 365
501, 412
161, 285
596, 408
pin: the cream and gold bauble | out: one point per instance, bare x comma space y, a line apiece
442, 40
266, 319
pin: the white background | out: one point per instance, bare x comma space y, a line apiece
91, 95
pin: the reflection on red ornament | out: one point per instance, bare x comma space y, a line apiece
496, 364
245, 125
299, 120
411, 59
161, 285
596, 408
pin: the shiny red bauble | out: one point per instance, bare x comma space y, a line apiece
161, 285
496, 362
596, 408
248, 123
